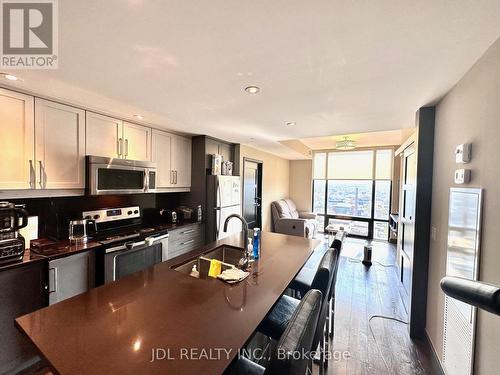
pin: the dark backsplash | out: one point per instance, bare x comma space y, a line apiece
55, 213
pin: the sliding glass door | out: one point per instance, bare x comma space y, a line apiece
352, 189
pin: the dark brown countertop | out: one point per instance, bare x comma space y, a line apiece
114, 328
57, 249
27, 259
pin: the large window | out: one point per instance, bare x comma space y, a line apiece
353, 189
349, 198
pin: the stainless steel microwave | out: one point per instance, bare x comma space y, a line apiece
119, 176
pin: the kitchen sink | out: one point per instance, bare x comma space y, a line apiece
229, 255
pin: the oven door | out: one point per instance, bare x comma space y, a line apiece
117, 179
163, 240
123, 260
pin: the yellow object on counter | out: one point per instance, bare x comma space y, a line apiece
215, 268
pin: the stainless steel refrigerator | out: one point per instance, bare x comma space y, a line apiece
223, 199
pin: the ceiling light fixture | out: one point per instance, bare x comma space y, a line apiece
10, 77
346, 144
252, 90
139, 117
290, 123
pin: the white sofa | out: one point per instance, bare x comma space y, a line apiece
288, 220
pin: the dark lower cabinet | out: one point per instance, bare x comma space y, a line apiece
23, 289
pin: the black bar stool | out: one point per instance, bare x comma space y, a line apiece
302, 282
296, 339
279, 317
337, 244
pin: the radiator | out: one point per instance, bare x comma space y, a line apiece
458, 338
462, 260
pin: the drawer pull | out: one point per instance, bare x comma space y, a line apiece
187, 242
53, 280
188, 231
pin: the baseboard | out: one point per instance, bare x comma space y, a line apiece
434, 357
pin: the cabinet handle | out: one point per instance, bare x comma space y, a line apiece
175, 174
126, 148
41, 182
187, 242
32, 175
53, 285
188, 231
89, 286
120, 146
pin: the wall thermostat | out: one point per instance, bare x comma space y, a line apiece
462, 176
462, 153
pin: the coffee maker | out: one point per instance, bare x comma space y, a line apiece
12, 218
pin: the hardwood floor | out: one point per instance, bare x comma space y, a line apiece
364, 342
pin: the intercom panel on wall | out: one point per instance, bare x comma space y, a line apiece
462, 153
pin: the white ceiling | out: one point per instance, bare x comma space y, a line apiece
372, 139
333, 67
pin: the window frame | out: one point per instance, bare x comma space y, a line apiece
371, 220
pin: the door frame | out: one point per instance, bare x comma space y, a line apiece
260, 168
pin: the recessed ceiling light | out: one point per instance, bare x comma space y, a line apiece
252, 89
139, 117
290, 123
10, 77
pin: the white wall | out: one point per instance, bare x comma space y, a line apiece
470, 112
301, 184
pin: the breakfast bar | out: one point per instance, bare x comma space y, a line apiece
163, 321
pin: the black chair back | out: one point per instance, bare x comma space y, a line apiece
323, 281
288, 357
337, 245
338, 240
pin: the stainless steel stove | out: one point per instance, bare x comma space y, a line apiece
128, 246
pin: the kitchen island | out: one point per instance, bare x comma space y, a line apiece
190, 325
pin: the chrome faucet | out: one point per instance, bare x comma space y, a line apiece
243, 263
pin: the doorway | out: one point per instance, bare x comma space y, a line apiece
252, 192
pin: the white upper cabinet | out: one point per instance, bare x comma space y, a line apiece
43, 145
104, 136
60, 146
181, 161
136, 142
17, 141
107, 136
172, 155
160, 151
